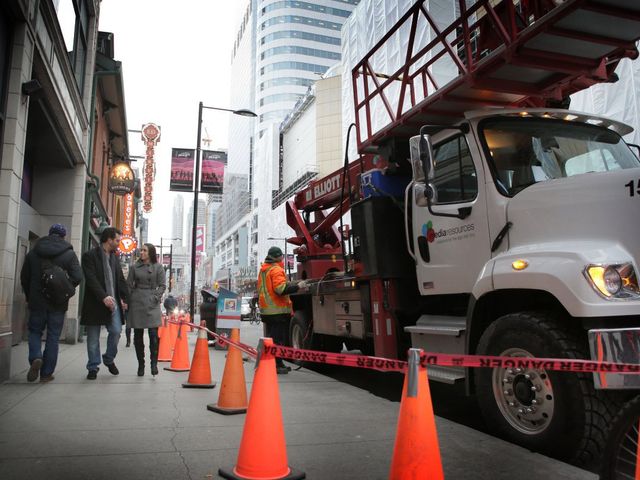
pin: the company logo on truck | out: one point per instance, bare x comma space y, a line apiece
326, 186
442, 235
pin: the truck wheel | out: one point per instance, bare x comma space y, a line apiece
621, 452
300, 331
557, 413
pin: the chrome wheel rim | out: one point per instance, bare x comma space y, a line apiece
524, 395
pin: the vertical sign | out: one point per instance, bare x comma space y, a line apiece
212, 171
128, 244
200, 238
182, 169
150, 136
127, 227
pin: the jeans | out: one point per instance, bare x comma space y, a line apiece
93, 341
53, 322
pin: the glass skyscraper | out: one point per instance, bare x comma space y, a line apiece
281, 48
296, 42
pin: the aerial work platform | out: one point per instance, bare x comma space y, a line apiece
509, 53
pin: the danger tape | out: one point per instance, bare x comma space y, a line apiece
428, 358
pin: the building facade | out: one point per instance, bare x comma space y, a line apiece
61, 123
177, 220
282, 48
296, 43
233, 219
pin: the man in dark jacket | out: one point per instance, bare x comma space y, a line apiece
105, 297
42, 313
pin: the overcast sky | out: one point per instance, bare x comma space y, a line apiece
173, 54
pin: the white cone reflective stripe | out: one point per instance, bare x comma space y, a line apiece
202, 334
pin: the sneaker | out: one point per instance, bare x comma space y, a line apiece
46, 379
34, 370
92, 375
282, 370
113, 370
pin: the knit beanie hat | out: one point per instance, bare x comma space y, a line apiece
274, 254
58, 229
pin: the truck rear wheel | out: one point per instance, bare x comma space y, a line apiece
300, 331
557, 413
621, 453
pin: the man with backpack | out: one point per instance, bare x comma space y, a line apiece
49, 276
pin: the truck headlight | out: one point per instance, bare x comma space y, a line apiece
614, 281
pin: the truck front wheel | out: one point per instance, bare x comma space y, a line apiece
557, 413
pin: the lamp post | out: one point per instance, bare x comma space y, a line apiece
286, 258
170, 257
196, 176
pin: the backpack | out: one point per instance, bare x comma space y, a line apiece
57, 289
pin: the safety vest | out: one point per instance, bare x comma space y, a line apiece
271, 281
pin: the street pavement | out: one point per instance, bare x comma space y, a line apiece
130, 427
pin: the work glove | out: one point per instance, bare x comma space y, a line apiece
303, 285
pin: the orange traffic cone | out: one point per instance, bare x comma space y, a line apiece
167, 340
263, 452
416, 454
180, 359
200, 374
233, 390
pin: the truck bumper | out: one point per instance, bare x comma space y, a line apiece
620, 345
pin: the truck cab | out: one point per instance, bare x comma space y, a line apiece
527, 217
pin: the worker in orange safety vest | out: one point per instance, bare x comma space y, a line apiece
274, 301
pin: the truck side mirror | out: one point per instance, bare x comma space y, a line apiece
431, 192
635, 149
426, 154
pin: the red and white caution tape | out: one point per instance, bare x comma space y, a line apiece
428, 358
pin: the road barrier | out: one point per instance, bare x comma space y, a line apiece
232, 398
416, 446
200, 373
440, 359
180, 359
263, 451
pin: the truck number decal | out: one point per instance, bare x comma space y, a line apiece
633, 190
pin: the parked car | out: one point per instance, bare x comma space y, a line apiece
245, 309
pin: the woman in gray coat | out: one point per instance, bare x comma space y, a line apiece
147, 284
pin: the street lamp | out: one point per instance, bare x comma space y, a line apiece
242, 113
170, 257
286, 258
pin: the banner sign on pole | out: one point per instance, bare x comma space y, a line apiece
200, 239
228, 309
128, 243
182, 162
212, 178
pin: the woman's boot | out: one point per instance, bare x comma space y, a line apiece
139, 344
153, 348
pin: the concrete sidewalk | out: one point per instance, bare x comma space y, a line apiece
129, 427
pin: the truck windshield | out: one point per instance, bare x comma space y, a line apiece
525, 151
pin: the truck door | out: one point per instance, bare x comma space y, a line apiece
450, 251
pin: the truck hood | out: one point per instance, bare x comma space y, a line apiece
595, 209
